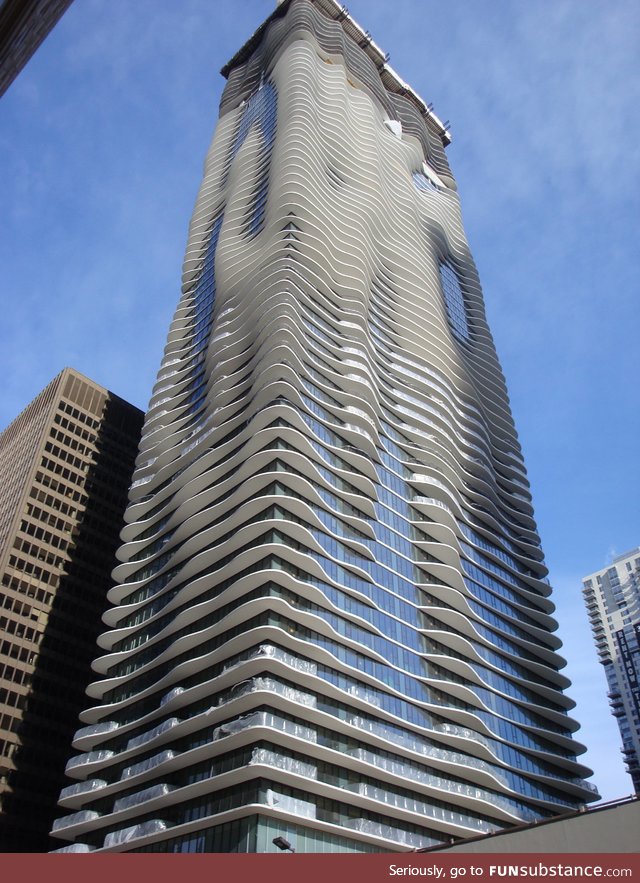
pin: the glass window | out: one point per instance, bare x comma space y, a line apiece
454, 302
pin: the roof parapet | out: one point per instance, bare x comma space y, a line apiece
339, 13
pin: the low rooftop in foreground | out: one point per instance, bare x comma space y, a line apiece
606, 827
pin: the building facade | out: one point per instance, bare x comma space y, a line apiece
65, 468
332, 623
24, 24
612, 596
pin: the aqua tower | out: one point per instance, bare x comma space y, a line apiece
332, 621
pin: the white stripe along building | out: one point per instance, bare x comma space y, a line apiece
332, 622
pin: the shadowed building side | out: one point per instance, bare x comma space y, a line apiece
24, 24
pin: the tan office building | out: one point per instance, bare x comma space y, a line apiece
65, 467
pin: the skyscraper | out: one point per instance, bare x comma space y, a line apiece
332, 623
612, 596
24, 24
65, 468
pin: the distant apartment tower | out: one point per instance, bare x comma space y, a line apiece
65, 468
332, 622
612, 596
24, 24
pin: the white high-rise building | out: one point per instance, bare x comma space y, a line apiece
332, 623
612, 596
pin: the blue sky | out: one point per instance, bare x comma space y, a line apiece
102, 140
